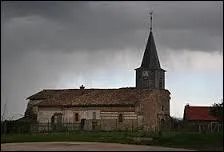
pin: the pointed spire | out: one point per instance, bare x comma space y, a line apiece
150, 58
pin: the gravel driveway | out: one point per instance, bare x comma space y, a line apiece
81, 146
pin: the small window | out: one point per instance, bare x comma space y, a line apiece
120, 119
162, 108
76, 117
94, 115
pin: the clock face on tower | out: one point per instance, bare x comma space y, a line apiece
145, 74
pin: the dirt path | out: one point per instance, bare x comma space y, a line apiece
81, 146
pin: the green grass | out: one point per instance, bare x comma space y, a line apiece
192, 140
189, 140
118, 136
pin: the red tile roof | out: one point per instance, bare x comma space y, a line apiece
198, 113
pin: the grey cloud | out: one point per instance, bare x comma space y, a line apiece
35, 71
54, 10
72, 26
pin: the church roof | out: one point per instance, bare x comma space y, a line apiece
150, 59
90, 97
50, 93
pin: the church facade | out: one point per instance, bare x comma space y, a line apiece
146, 106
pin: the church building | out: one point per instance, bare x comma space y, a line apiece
146, 106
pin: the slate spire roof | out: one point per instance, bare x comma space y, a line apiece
150, 59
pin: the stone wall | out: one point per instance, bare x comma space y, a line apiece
152, 108
163, 105
44, 114
87, 114
110, 121
155, 79
114, 124
105, 119
159, 79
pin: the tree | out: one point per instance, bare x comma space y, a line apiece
176, 123
217, 110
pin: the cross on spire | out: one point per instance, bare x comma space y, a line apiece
150, 13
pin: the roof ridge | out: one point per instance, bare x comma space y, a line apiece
91, 89
199, 106
60, 89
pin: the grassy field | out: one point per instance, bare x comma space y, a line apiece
190, 140
115, 136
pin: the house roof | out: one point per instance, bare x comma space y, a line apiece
90, 97
198, 113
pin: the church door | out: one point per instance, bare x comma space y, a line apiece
82, 123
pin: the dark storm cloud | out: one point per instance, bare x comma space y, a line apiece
73, 26
47, 9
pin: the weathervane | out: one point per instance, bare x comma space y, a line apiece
150, 12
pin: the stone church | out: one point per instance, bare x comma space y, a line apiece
146, 106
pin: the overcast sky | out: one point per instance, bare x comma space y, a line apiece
55, 45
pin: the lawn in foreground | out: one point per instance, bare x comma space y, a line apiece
192, 140
189, 140
116, 137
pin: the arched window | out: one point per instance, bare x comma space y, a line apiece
76, 117
120, 118
52, 119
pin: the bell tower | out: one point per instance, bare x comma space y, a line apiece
150, 75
